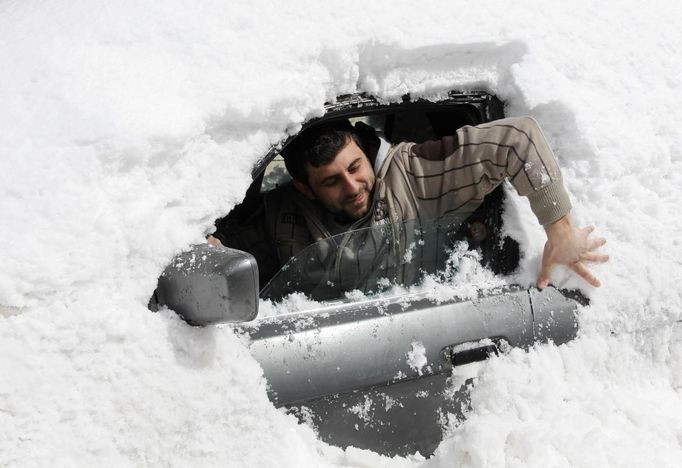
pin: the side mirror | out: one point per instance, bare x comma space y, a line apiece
208, 285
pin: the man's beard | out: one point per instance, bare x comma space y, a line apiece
346, 216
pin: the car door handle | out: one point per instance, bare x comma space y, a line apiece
472, 351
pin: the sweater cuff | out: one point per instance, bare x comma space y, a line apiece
550, 203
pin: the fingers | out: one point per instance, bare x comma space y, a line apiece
573, 249
594, 257
586, 274
588, 230
596, 243
593, 244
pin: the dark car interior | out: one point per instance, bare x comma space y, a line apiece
418, 121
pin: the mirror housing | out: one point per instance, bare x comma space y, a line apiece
208, 285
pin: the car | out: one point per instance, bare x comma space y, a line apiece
378, 361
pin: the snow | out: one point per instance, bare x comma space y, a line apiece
128, 127
416, 357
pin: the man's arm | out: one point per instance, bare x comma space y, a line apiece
455, 173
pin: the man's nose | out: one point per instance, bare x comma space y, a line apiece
350, 184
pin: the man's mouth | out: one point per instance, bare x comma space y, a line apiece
358, 200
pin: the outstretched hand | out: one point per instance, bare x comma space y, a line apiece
572, 247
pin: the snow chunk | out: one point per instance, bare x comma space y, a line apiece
416, 357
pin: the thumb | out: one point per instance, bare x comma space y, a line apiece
543, 278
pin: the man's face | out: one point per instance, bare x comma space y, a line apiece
344, 185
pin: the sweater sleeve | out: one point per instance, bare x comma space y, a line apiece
456, 172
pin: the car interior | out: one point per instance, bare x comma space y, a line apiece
419, 122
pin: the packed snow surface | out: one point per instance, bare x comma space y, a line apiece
129, 126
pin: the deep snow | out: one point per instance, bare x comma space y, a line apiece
128, 127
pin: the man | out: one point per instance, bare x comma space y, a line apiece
337, 188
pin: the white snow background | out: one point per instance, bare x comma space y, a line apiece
127, 127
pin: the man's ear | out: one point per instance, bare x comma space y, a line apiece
304, 189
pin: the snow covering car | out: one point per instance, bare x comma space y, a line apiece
378, 362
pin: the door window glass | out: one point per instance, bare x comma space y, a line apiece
370, 259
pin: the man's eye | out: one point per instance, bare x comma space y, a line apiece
329, 182
353, 168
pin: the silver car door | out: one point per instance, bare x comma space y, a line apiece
373, 373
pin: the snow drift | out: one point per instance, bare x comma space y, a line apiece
128, 127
